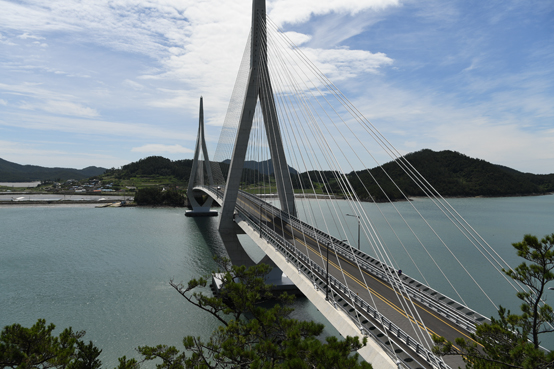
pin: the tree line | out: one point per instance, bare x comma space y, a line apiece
450, 173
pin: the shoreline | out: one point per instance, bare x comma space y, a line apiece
104, 201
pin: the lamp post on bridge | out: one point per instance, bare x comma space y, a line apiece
327, 269
261, 205
262, 208
357, 216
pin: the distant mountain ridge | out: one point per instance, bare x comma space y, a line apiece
451, 174
12, 172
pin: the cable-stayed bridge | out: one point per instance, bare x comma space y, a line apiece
292, 138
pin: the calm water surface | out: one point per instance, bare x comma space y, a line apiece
106, 271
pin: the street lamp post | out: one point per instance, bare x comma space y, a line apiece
261, 204
327, 269
357, 216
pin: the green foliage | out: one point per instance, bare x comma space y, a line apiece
251, 335
536, 317
36, 347
157, 196
450, 173
127, 364
512, 340
156, 166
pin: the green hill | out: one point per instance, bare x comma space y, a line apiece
158, 166
12, 172
155, 166
451, 174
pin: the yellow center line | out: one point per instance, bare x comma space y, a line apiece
388, 302
382, 298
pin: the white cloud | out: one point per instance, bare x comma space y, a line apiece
49, 101
159, 148
134, 85
61, 108
297, 38
34, 90
69, 108
197, 44
24, 153
26, 36
172, 52
92, 127
344, 63
4, 41
506, 144
300, 11
486, 130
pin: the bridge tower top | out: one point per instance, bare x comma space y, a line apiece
197, 171
258, 88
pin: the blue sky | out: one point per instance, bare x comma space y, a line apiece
106, 83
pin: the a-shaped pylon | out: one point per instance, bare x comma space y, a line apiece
259, 87
197, 173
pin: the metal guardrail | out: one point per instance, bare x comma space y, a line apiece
450, 309
446, 307
356, 304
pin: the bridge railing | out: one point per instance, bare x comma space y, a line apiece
455, 312
451, 309
353, 304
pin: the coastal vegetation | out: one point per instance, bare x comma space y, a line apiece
450, 173
513, 340
159, 196
256, 332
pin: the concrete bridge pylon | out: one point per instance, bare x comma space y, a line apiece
198, 171
259, 87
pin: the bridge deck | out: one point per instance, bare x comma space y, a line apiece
372, 285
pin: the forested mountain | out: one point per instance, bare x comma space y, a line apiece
264, 167
12, 172
179, 169
154, 166
451, 174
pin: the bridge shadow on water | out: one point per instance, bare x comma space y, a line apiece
207, 227
303, 308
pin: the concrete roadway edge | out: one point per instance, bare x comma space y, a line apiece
372, 352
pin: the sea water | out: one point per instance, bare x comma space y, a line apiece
107, 271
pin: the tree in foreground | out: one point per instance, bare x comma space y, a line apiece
37, 348
251, 335
512, 340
